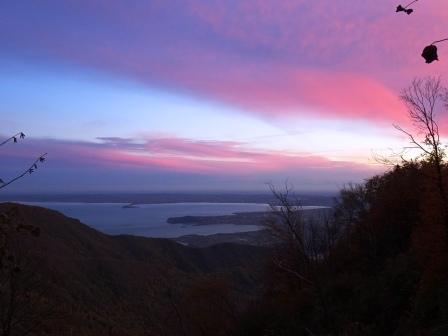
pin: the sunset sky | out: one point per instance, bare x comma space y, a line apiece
168, 95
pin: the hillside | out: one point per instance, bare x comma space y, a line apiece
122, 285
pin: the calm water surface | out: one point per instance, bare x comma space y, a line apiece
149, 220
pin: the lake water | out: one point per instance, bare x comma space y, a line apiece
149, 220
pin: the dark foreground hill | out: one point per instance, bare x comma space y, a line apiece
83, 282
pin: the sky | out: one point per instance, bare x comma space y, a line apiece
191, 95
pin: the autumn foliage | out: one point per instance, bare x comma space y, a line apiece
386, 275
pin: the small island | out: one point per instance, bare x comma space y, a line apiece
130, 206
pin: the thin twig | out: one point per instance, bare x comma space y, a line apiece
440, 41
30, 170
19, 135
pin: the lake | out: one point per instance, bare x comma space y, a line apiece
149, 220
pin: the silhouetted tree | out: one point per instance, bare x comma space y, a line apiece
303, 245
424, 99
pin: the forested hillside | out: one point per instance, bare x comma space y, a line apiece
381, 269
73, 280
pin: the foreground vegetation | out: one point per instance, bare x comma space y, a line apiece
379, 268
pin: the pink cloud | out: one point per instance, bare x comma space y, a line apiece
295, 92
178, 154
197, 148
343, 34
335, 59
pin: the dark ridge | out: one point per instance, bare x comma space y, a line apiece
91, 276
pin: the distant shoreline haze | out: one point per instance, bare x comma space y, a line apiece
312, 198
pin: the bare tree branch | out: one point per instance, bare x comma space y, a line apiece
424, 98
31, 169
14, 138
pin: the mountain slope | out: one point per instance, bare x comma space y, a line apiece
107, 285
